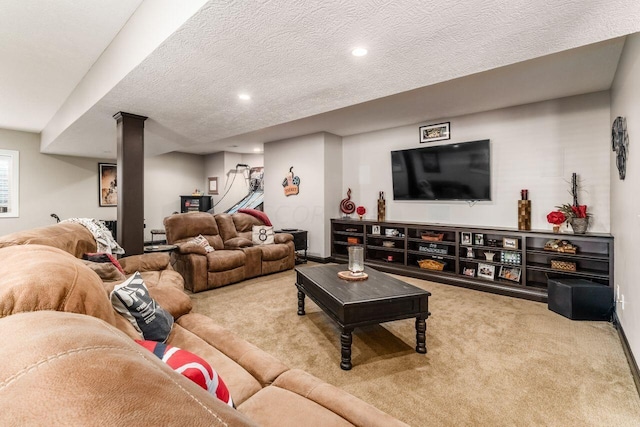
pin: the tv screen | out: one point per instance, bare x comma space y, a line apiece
444, 172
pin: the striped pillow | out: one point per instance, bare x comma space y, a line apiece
191, 366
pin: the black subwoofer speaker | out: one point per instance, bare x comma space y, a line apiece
580, 299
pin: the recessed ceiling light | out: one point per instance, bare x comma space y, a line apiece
359, 51
244, 96
257, 150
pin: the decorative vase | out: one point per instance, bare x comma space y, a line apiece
579, 225
556, 228
381, 210
524, 214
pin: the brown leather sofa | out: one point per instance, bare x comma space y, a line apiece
235, 257
69, 357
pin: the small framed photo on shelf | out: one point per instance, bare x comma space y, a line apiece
437, 132
510, 257
486, 271
509, 243
465, 238
470, 253
510, 273
471, 272
478, 239
375, 229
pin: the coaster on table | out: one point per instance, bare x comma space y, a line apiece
346, 275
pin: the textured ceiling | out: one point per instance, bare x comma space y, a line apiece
46, 47
294, 58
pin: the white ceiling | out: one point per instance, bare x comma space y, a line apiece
46, 47
427, 59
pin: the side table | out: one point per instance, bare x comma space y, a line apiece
299, 242
159, 248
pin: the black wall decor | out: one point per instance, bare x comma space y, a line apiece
620, 144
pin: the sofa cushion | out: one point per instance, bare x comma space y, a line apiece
36, 277
225, 260
183, 227
275, 252
132, 300
70, 237
191, 366
102, 257
274, 406
240, 382
63, 368
262, 235
105, 270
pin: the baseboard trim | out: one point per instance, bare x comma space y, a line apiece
635, 372
319, 259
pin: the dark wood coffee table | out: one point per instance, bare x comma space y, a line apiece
380, 298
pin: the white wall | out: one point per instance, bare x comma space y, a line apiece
535, 146
66, 186
625, 204
316, 160
166, 178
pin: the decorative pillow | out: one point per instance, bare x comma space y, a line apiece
107, 271
191, 366
200, 240
262, 235
257, 214
131, 299
104, 257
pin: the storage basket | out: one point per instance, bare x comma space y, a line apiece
557, 264
432, 237
431, 264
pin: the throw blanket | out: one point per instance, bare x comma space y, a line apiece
104, 239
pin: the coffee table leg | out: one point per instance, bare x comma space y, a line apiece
300, 303
345, 341
421, 334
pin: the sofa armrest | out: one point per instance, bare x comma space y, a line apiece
190, 248
283, 238
145, 262
237, 243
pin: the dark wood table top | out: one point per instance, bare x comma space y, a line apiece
378, 287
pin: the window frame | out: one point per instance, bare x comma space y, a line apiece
13, 210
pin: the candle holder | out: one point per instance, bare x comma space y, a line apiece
356, 260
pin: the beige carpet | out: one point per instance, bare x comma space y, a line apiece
491, 361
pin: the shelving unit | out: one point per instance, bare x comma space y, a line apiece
520, 266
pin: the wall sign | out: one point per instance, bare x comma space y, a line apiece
291, 184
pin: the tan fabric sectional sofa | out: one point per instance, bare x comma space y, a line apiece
70, 359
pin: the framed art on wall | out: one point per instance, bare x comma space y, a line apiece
437, 132
213, 185
107, 184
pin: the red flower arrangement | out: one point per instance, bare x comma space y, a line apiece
361, 210
556, 218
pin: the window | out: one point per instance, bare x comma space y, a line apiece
9, 175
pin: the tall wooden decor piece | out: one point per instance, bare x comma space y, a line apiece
524, 214
382, 209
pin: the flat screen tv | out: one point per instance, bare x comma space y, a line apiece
443, 172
